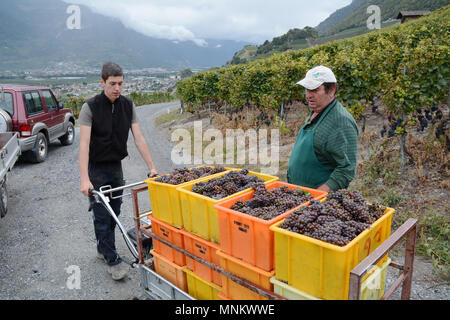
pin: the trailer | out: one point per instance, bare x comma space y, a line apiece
156, 287
9, 153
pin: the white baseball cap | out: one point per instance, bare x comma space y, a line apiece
316, 77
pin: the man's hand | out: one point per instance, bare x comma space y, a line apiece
324, 187
153, 172
86, 185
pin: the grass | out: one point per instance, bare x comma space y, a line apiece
382, 179
432, 240
169, 117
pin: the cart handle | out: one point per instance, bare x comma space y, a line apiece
99, 197
109, 190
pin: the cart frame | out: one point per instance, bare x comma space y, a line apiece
157, 288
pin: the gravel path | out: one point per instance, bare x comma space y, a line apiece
48, 229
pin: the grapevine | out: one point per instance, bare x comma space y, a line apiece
406, 66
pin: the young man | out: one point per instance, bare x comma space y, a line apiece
105, 121
325, 153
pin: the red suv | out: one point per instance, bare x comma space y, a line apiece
39, 118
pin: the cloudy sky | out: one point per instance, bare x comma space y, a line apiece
197, 20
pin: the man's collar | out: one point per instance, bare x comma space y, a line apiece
105, 97
331, 105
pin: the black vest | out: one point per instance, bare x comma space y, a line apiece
111, 125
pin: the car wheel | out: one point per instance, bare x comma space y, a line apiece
69, 137
39, 152
3, 200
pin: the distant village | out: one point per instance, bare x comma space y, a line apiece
69, 80
142, 84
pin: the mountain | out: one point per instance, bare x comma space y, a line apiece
34, 35
345, 22
355, 15
338, 16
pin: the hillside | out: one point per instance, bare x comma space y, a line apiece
346, 22
34, 36
395, 83
358, 16
338, 16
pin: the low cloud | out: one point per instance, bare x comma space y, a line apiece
198, 20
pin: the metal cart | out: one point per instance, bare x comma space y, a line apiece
155, 287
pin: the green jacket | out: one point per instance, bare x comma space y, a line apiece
336, 145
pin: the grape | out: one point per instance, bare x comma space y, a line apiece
179, 176
338, 220
268, 204
226, 185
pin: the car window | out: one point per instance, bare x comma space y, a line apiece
6, 102
49, 100
33, 102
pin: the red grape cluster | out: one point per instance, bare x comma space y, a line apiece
179, 176
268, 204
338, 220
226, 185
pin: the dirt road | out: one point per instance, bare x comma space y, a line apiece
47, 235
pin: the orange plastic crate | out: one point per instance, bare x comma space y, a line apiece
249, 238
172, 235
205, 250
170, 271
235, 291
222, 296
199, 214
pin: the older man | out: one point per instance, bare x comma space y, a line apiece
325, 154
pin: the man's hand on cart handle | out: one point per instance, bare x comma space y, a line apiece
153, 173
91, 200
85, 187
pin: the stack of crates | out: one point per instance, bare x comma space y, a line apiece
202, 236
286, 263
247, 244
167, 224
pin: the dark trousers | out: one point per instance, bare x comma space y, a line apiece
103, 174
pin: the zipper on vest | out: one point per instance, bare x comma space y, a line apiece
113, 108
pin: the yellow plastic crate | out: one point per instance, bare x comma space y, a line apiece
199, 215
199, 288
371, 289
290, 293
321, 269
165, 200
